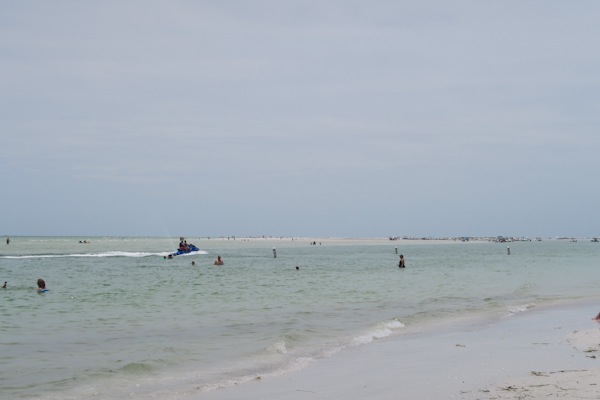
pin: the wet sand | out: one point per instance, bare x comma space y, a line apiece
536, 354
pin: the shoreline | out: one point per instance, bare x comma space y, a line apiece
535, 354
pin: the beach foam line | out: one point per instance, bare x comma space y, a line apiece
380, 331
512, 358
518, 309
297, 364
278, 347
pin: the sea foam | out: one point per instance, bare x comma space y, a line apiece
380, 331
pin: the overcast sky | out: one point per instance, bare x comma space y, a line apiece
300, 118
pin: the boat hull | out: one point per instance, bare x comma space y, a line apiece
192, 249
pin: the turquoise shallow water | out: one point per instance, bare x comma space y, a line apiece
121, 321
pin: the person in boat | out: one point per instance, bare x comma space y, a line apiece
218, 261
41, 286
183, 246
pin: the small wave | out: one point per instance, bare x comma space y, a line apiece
382, 330
278, 347
518, 309
135, 367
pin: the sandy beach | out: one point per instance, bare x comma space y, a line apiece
569, 384
537, 354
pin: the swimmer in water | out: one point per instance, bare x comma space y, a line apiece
41, 286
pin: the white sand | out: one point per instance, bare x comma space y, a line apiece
567, 384
581, 384
538, 354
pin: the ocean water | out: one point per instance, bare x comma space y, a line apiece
122, 321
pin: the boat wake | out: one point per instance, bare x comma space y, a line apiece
133, 254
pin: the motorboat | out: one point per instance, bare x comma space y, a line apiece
190, 248
185, 248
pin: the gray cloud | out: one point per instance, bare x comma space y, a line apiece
462, 118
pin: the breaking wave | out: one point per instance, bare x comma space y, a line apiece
380, 331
